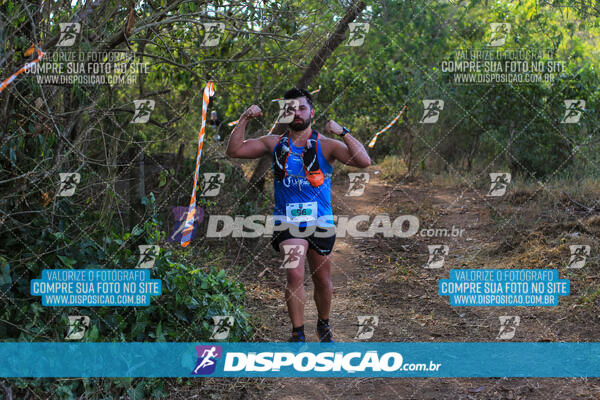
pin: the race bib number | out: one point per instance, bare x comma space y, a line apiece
301, 212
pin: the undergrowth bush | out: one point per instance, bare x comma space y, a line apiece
192, 293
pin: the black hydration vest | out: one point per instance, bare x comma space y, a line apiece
313, 172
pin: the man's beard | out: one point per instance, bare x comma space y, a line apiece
299, 126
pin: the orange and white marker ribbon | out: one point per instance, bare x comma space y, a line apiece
232, 123
372, 143
273, 127
313, 92
186, 234
24, 68
316, 91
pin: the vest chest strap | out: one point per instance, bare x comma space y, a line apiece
310, 159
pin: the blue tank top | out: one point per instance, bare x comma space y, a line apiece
296, 200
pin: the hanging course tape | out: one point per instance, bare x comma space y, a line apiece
372, 143
24, 68
186, 234
313, 92
232, 123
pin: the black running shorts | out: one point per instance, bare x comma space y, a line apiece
322, 245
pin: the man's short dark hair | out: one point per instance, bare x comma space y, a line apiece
294, 93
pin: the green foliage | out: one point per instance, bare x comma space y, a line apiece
192, 294
399, 63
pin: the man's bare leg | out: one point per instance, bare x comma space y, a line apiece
320, 269
294, 290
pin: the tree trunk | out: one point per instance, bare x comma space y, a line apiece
509, 150
135, 187
474, 148
257, 180
409, 153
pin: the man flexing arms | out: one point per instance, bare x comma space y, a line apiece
302, 164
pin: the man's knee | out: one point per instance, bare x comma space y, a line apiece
295, 277
321, 279
294, 254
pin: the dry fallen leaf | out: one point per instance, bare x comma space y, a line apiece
29, 51
45, 199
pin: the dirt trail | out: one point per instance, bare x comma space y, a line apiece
386, 277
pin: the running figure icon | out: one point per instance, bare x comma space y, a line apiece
207, 356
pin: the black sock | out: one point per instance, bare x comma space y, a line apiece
299, 329
322, 321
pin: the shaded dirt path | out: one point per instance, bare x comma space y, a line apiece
386, 277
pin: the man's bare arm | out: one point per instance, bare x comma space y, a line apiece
238, 147
350, 151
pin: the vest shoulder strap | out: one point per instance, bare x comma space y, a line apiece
283, 135
280, 154
309, 158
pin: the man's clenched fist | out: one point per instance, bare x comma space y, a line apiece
252, 112
333, 127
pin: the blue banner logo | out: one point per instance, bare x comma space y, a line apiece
207, 359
